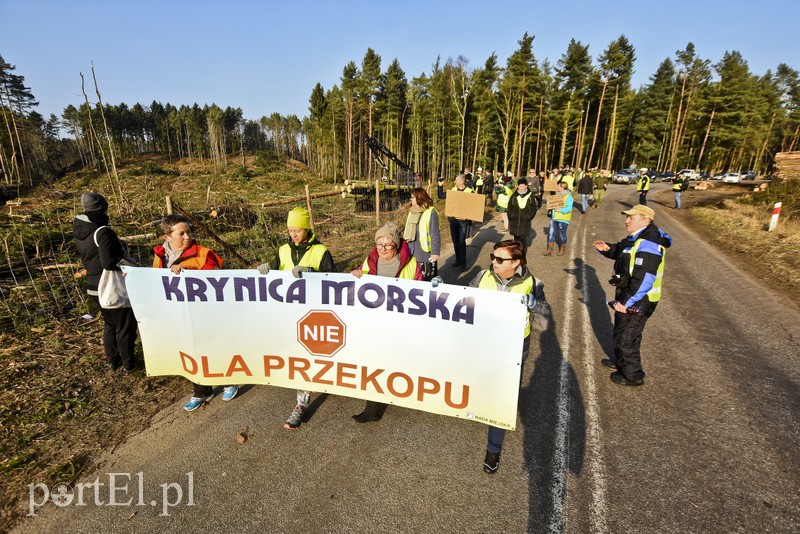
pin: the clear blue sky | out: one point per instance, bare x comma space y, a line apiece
266, 56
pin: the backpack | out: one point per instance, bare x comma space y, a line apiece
685, 184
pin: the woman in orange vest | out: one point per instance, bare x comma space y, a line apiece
180, 251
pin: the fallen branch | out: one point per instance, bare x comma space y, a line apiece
297, 199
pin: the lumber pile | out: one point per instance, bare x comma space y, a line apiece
788, 165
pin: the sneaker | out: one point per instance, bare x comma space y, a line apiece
295, 418
491, 462
229, 392
195, 402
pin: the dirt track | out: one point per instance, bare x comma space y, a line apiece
709, 444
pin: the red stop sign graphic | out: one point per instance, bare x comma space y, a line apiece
321, 332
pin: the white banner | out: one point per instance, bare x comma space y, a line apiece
450, 350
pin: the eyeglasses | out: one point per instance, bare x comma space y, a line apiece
386, 246
500, 260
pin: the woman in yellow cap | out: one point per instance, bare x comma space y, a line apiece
302, 253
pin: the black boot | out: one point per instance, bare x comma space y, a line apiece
372, 412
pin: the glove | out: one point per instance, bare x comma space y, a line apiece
436, 280
529, 300
263, 268
298, 269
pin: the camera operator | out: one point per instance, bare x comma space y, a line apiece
638, 271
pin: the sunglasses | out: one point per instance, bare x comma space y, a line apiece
500, 260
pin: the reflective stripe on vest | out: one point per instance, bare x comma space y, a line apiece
523, 201
488, 282
312, 258
424, 227
643, 184
504, 197
654, 295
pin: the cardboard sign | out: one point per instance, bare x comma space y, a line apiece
463, 205
551, 185
555, 202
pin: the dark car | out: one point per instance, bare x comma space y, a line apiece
667, 176
705, 176
749, 175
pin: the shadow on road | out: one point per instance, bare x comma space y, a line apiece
595, 301
541, 413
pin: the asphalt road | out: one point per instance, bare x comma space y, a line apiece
708, 444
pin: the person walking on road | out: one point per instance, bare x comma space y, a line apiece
585, 189
521, 211
100, 249
460, 227
638, 273
390, 257
600, 180
302, 253
559, 221
680, 183
509, 272
422, 232
178, 253
643, 186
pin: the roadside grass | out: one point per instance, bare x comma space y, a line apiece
59, 406
740, 229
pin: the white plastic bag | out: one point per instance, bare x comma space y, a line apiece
111, 290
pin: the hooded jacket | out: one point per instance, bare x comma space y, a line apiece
106, 254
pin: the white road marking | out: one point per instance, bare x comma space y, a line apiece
594, 444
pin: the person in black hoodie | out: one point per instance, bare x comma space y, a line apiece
521, 211
100, 248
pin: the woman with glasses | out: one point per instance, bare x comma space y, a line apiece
390, 257
509, 272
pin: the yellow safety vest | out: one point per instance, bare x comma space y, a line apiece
312, 258
465, 190
408, 272
424, 226
654, 295
558, 216
569, 180
504, 197
488, 282
643, 184
523, 201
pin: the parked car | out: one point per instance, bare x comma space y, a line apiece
705, 176
732, 178
749, 175
667, 176
718, 176
623, 177
691, 174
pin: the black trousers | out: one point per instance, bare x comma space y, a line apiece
628, 329
643, 198
458, 233
119, 336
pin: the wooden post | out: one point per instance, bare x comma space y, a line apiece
169, 204
377, 203
308, 204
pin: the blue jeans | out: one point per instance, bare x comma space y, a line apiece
677, 199
584, 201
558, 232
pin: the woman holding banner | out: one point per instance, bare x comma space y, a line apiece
302, 253
509, 272
559, 221
179, 252
390, 257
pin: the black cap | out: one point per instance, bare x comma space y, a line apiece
94, 202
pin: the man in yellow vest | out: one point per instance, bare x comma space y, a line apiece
459, 228
643, 186
679, 183
302, 253
638, 273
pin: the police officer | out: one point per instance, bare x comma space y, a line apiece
643, 186
638, 272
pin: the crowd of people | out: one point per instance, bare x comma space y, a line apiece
412, 252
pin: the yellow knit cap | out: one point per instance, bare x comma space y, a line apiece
299, 218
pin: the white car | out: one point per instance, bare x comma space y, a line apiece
691, 174
732, 178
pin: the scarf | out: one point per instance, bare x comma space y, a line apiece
410, 231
